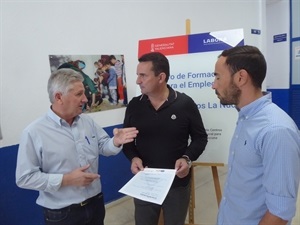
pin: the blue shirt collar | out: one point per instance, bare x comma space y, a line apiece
255, 106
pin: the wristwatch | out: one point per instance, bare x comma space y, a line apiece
187, 159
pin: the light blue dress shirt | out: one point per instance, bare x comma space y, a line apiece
50, 147
263, 166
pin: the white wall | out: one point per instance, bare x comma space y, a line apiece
33, 30
278, 58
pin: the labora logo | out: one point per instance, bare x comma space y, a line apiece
209, 41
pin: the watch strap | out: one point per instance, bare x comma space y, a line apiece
188, 160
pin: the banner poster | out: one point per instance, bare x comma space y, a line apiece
192, 60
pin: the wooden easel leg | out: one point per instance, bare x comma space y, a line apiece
214, 170
192, 198
161, 218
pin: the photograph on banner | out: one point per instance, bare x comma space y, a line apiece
104, 78
192, 72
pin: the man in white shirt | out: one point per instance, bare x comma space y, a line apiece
58, 155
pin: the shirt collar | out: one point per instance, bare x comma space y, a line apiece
59, 121
172, 95
255, 106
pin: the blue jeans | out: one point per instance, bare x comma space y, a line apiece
92, 213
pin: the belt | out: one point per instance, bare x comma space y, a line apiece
81, 204
87, 201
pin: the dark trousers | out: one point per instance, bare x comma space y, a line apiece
174, 208
92, 213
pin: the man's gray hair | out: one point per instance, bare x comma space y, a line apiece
61, 81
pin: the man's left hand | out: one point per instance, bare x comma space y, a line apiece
182, 168
124, 135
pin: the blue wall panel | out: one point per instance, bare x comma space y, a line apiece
281, 98
18, 207
295, 104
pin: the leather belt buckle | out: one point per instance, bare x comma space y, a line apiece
87, 201
84, 203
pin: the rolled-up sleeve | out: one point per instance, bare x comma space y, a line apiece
281, 171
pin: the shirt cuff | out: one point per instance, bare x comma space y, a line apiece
283, 207
54, 182
114, 150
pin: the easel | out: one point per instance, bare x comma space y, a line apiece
192, 205
214, 171
213, 166
216, 180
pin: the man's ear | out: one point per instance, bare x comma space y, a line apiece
58, 97
162, 77
242, 77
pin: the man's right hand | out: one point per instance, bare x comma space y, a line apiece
79, 177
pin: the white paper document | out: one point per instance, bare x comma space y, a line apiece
150, 185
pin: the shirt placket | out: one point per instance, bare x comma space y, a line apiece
82, 159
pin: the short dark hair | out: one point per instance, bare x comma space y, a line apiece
112, 57
159, 61
248, 58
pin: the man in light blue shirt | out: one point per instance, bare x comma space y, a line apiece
58, 155
264, 158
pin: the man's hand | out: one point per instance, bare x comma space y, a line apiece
136, 165
125, 135
79, 177
182, 168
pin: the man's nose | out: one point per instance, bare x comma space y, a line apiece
138, 80
85, 100
213, 85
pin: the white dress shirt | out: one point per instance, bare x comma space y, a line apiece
50, 147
